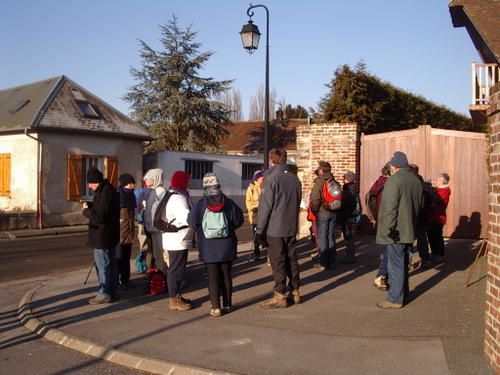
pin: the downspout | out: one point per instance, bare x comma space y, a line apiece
39, 173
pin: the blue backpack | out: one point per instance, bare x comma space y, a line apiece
215, 224
140, 262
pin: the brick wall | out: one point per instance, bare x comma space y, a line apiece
337, 143
492, 316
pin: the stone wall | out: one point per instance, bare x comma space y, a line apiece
492, 316
337, 143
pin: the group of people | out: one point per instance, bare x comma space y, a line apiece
170, 224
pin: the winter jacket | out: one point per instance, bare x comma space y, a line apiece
279, 203
127, 216
252, 202
377, 188
317, 205
437, 214
104, 217
153, 199
214, 250
349, 203
176, 212
402, 200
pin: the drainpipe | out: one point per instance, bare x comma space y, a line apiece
39, 172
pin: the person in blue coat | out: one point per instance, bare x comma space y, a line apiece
215, 219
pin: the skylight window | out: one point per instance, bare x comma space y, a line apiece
87, 109
20, 105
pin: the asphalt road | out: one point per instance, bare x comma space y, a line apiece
52, 255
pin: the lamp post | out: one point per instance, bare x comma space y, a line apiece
250, 36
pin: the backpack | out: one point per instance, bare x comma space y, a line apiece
215, 224
159, 223
140, 262
331, 195
157, 282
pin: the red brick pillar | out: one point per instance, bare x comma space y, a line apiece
492, 316
337, 143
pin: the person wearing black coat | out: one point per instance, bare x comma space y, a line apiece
345, 219
216, 240
104, 234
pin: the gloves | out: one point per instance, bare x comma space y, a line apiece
260, 238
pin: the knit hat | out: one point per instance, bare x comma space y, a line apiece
211, 184
350, 176
258, 174
94, 176
126, 179
399, 160
180, 180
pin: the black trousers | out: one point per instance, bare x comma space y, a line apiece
284, 262
435, 237
256, 244
176, 271
220, 283
123, 262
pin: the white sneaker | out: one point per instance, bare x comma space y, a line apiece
380, 282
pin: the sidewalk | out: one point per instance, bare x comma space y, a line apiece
338, 329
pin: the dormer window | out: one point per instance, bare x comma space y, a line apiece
87, 109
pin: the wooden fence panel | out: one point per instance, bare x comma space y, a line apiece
463, 155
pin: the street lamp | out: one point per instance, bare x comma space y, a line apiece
250, 36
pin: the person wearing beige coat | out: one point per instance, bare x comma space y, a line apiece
252, 204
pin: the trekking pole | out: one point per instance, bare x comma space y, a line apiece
88, 275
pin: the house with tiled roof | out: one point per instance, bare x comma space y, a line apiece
481, 18
51, 132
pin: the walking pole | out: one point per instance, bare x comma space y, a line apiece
482, 248
88, 275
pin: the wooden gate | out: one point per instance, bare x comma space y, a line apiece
463, 155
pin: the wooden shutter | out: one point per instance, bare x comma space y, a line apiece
112, 170
5, 174
74, 178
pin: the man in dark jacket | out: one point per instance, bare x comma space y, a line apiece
326, 219
402, 201
277, 226
348, 210
104, 234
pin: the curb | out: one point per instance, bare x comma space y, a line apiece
97, 350
12, 235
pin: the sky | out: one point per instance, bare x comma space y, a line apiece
411, 44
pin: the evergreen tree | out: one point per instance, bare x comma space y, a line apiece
377, 106
172, 99
295, 112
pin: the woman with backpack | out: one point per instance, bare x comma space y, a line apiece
215, 219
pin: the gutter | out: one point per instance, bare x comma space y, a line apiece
39, 173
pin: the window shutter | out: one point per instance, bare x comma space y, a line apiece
112, 170
5, 174
74, 178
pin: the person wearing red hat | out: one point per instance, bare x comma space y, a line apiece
177, 243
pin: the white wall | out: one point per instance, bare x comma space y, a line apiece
56, 147
23, 174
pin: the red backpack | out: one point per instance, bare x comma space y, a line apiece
331, 194
157, 282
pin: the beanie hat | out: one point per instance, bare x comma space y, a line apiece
211, 184
179, 180
94, 176
126, 179
258, 174
399, 160
350, 176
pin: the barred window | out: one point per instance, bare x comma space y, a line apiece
247, 171
197, 169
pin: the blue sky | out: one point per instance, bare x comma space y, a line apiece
411, 44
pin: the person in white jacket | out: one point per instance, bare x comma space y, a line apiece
176, 244
153, 180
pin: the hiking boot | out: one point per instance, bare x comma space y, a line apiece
381, 283
215, 313
177, 304
319, 267
186, 300
389, 305
296, 297
226, 309
99, 300
278, 300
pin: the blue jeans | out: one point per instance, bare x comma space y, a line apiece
382, 267
398, 256
326, 238
107, 274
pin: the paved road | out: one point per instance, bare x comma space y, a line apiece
51, 255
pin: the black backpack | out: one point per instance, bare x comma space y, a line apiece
163, 225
